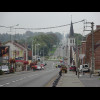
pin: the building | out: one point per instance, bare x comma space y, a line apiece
19, 53
71, 45
96, 48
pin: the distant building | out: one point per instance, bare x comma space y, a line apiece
17, 51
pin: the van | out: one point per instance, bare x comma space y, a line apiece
85, 68
4, 68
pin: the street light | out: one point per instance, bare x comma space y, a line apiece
35, 50
32, 50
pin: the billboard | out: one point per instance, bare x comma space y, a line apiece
4, 51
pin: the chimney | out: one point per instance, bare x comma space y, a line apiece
97, 26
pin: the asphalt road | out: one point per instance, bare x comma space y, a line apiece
30, 78
33, 78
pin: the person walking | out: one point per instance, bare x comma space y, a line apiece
60, 72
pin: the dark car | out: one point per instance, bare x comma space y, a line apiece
59, 66
72, 68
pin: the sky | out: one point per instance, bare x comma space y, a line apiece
46, 19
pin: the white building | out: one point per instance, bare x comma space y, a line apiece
17, 50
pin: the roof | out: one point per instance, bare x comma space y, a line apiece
94, 32
71, 34
18, 45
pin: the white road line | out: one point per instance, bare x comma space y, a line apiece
13, 81
7, 83
1, 85
17, 80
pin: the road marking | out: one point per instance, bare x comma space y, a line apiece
17, 80
1, 85
7, 83
13, 81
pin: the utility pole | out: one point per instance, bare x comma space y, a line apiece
76, 55
93, 65
35, 52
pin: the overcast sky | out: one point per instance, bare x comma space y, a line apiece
47, 19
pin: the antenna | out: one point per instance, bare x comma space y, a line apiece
71, 18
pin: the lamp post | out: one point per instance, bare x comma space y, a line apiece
11, 27
32, 50
35, 51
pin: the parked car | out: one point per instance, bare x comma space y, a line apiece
59, 66
63, 68
5, 68
38, 67
72, 68
85, 68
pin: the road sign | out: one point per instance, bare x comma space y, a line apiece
81, 56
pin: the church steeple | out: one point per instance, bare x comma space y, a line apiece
71, 34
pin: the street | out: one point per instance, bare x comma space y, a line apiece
30, 79
38, 78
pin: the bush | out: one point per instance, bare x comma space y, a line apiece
12, 70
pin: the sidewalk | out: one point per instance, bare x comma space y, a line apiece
69, 80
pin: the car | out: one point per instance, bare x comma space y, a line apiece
72, 68
63, 68
85, 68
59, 66
38, 67
5, 68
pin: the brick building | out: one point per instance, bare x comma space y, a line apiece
96, 47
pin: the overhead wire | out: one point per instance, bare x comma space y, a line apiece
48, 27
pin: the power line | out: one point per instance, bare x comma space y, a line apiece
45, 27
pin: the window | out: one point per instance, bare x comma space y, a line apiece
73, 41
70, 41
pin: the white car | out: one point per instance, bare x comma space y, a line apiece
4, 68
84, 68
38, 67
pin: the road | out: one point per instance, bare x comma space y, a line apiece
61, 50
33, 78
30, 78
